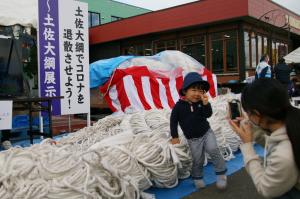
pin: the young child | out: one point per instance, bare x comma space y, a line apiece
191, 113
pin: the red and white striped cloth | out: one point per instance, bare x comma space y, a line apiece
138, 88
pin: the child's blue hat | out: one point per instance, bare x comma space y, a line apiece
192, 78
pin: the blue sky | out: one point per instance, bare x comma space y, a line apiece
293, 5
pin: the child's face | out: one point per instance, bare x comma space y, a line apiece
194, 94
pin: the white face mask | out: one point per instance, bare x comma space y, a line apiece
258, 126
253, 124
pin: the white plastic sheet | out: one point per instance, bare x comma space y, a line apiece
293, 57
165, 61
22, 12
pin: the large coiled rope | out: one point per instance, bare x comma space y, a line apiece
46, 171
117, 157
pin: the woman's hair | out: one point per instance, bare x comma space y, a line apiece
270, 98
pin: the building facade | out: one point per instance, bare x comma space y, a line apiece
228, 37
105, 11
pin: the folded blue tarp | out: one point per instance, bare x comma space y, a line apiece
100, 71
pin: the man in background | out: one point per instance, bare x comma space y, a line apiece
282, 72
263, 69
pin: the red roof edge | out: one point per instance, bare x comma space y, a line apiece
191, 14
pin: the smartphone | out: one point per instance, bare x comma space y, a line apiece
235, 109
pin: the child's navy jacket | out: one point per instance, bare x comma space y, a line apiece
192, 119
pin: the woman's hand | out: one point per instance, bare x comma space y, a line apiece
243, 129
204, 98
175, 141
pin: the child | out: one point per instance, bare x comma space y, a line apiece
191, 113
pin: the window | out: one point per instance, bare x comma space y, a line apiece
138, 49
282, 50
259, 47
256, 45
115, 18
279, 49
224, 52
217, 56
130, 50
160, 46
194, 47
231, 55
171, 45
94, 19
265, 48
165, 45
254, 58
247, 49
274, 52
147, 49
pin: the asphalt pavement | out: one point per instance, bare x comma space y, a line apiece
240, 186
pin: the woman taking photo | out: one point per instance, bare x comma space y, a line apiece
267, 105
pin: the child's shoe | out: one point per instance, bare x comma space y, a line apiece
221, 182
199, 184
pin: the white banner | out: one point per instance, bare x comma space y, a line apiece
6, 115
74, 57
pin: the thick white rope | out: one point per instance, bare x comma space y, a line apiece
117, 157
46, 171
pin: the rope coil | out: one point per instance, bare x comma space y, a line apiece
117, 157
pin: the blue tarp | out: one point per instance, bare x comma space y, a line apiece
100, 71
186, 187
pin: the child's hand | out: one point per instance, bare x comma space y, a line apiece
175, 141
204, 98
